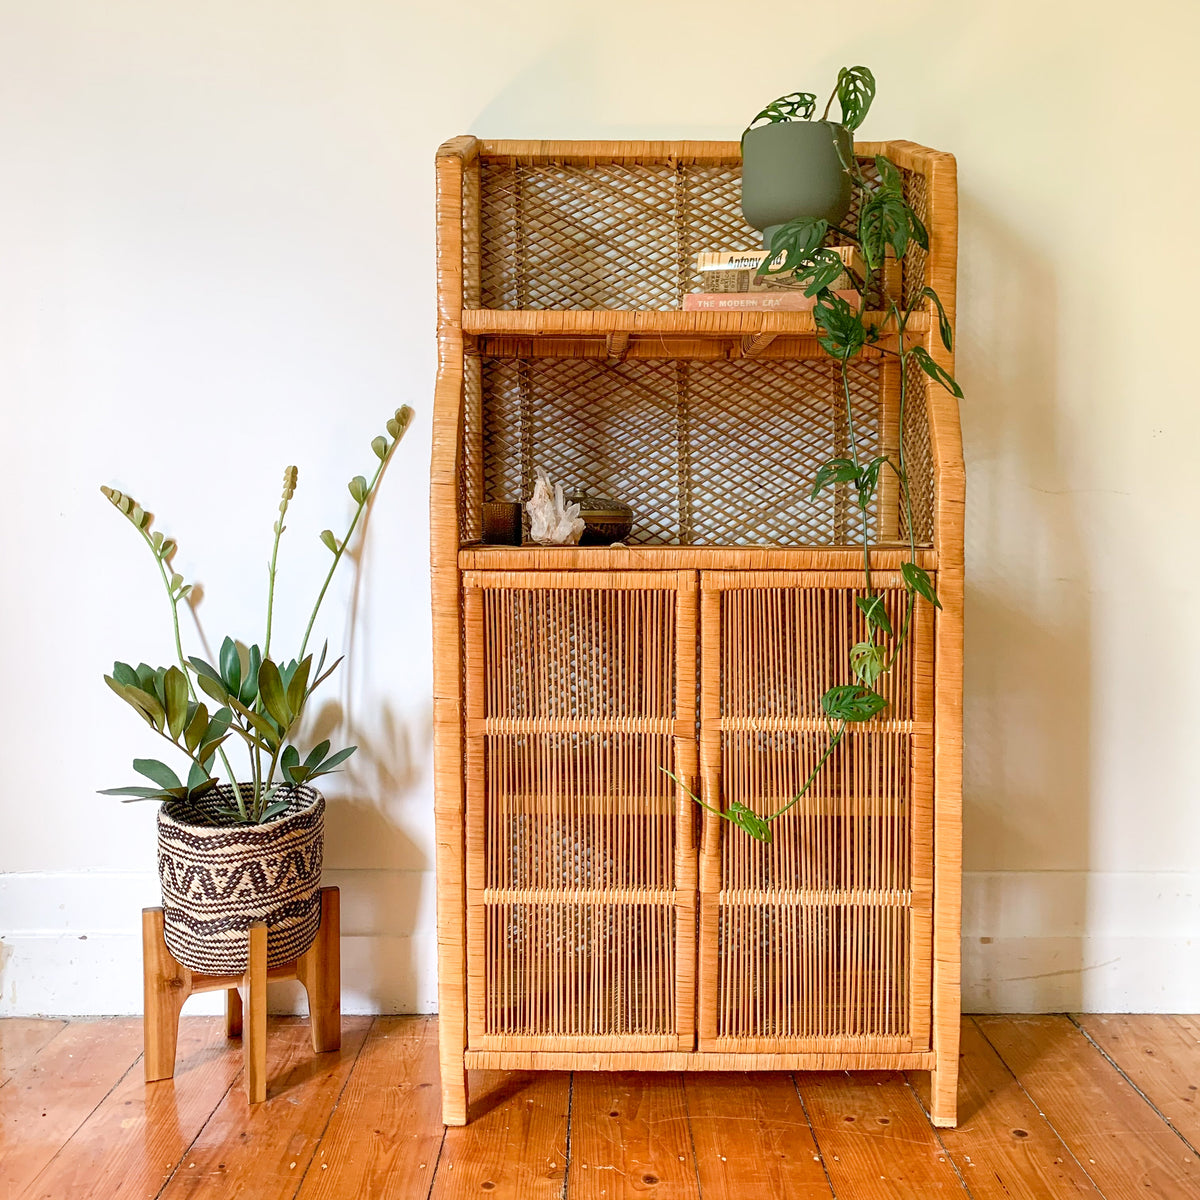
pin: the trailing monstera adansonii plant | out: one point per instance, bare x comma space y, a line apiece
886, 223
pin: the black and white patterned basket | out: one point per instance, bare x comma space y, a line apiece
217, 880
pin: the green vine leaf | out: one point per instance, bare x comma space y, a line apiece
852, 702
836, 470
855, 92
867, 481
795, 106
867, 660
936, 371
747, 820
358, 488
842, 333
821, 271
916, 579
329, 540
944, 327
793, 246
873, 608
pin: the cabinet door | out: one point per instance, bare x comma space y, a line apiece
819, 940
580, 855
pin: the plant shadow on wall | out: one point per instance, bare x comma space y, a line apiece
1027, 791
216, 883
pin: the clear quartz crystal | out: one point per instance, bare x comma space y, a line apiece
552, 521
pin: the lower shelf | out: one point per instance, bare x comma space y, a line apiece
683, 1060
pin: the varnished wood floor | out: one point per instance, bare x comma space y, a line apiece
1050, 1106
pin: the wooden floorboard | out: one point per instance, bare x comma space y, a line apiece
1161, 1056
385, 1135
1122, 1143
630, 1138
22, 1039
1050, 1107
263, 1150
1003, 1147
751, 1138
54, 1093
874, 1138
516, 1142
132, 1143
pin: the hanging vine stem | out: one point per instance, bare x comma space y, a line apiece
886, 221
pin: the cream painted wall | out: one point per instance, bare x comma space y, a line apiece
216, 231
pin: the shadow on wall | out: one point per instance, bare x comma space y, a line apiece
1028, 638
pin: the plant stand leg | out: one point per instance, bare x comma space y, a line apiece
254, 1000
319, 969
233, 1013
165, 986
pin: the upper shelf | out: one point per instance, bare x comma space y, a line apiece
527, 322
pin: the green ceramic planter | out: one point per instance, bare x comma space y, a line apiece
791, 169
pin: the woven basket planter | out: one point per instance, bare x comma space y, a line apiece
217, 880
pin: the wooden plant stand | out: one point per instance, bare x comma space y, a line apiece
590, 915
168, 984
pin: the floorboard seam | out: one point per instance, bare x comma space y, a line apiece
687, 1112
1032, 1100
567, 1163
1116, 1066
334, 1107
937, 1133
813, 1134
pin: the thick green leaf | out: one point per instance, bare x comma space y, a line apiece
855, 91
867, 659
297, 686
145, 705
917, 580
329, 540
936, 371
836, 470
795, 106
289, 758
197, 778
124, 673
157, 772
380, 446
203, 668
136, 793
197, 726
270, 688
873, 608
944, 327
259, 723
231, 665
249, 689
317, 753
214, 689
175, 690
852, 702
890, 179
273, 810
332, 762
358, 488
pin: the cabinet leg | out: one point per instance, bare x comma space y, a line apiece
254, 999
943, 1095
454, 1095
233, 1013
319, 969
165, 986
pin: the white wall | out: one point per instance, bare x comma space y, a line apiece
216, 238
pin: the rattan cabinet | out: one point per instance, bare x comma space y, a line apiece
590, 915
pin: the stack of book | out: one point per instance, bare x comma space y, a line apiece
730, 282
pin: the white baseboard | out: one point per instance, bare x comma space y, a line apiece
1036, 941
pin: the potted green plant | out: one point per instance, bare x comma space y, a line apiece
793, 167
233, 850
886, 228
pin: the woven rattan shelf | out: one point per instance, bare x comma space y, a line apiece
589, 914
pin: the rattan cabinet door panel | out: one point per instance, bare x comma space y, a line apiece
581, 872
819, 940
